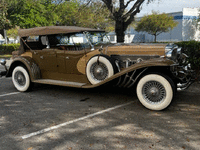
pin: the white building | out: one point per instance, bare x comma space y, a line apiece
186, 29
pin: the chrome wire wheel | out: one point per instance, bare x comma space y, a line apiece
20, 78
153, 92
99, 71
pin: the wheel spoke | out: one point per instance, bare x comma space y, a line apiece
99, 71
20, 78
153, 92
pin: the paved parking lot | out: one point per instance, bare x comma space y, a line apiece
62, 118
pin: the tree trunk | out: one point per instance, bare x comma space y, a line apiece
119, 30
155, 38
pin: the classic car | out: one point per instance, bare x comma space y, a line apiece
85, 58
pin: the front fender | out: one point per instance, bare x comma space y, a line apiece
29, 64
159, 62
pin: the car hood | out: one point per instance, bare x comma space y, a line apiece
135, 49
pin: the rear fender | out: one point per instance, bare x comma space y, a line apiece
29, 64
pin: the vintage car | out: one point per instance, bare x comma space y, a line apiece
85, 58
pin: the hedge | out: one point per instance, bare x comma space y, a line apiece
8, 48
192, 49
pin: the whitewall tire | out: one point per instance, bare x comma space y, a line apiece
98, 69
155, 91
21, 79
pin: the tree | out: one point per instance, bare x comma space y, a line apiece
32, 13
123, 13
93, 15
156, 24
13, 32
4, 22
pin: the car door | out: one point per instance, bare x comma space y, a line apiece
46, 59
71, 60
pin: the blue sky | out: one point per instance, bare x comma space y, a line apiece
168, 6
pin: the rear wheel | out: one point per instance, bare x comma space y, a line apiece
21, 79
155, 91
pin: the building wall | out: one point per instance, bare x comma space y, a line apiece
185, 30
190, 30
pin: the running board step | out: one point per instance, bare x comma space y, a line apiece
61, 83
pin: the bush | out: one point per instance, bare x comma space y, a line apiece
8, 48
192, 49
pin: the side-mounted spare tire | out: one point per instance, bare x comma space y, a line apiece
99, 68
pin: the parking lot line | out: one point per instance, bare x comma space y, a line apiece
9, 94
73, 121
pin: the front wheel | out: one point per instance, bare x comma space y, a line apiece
155, 91
21, 79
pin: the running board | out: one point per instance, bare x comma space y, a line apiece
61, 83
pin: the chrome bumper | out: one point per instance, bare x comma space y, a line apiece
184, 74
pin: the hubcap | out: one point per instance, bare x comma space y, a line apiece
99, 71
20, 78
153, 92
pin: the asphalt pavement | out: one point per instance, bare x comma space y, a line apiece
62, 118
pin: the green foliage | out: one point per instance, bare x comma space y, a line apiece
29, 13
4, 22
156, 23
95, 15
34, 13
8, 48
13, 32
192, 49
67, 13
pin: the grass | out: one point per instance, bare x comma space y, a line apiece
5, 56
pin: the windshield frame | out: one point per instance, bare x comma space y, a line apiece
100, 35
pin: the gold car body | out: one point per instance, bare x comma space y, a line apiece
61, 66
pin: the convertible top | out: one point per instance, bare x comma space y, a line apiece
52, 30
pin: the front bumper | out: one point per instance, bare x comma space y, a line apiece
184, 75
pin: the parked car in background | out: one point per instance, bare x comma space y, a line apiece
85, 58
2, 41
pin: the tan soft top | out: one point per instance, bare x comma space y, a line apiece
52, 30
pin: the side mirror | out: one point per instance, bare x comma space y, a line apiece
3, 62
92, 47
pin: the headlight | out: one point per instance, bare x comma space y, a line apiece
168, 53
171, 51
179, 50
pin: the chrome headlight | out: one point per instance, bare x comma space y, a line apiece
3, 62
171, 51
179, 50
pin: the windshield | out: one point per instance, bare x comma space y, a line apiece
85, 40
97, 38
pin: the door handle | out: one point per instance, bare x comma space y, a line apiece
67, 57
42, 57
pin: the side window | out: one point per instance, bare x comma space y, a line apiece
32, 39
62, 39
72, 42
33, 43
